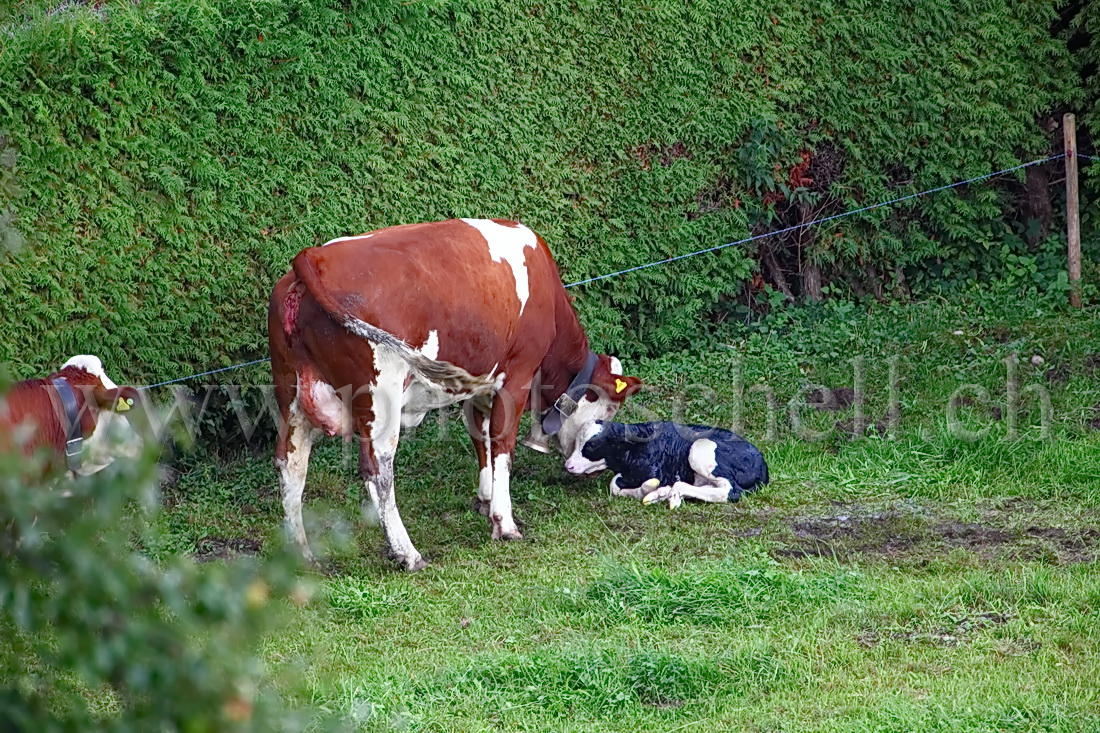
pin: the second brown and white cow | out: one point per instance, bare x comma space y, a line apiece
76, 418
369, 333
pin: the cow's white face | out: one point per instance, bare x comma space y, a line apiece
583, 418
601, 401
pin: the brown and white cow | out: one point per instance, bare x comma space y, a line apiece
72, 416
368, 333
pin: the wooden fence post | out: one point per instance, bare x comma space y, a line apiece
1073, 216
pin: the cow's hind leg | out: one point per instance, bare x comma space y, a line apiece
477, 422
292, 461
378, 413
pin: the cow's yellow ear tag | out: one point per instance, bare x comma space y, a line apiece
124, 404
620, 385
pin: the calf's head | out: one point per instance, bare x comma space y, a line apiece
591, 449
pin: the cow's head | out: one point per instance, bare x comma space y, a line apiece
104, 411
601, 399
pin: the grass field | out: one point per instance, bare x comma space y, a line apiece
932, 572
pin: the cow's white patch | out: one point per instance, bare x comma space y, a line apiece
508, 244
485, 475
329, 412
346, 239
113, 437
93, 366
422, 395
616, 366
386, 400
430, 348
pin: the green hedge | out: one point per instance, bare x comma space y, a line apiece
174, 154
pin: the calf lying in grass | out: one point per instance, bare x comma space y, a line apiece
656, 461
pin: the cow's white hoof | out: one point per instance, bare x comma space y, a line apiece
651, 484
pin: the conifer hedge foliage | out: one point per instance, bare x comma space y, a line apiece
172, 155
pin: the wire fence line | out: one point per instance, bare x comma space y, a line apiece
206, 374
746, 240
815, 222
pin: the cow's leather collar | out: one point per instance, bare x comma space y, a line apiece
566, 405
74, 436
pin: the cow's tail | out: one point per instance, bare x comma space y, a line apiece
449, 376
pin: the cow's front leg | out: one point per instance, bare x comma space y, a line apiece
477, 422
503, 426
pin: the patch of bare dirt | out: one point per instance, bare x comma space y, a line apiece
225, 548
904, 531
959, 632
1094, 422
832, 400
1059, 374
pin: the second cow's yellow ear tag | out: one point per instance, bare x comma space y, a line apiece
124, 404
620, 385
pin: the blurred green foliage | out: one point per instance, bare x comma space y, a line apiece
96, 636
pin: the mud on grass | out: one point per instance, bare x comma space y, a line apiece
906, 532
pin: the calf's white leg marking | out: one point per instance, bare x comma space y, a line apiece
616, 490
508, 244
